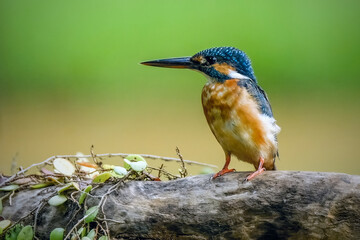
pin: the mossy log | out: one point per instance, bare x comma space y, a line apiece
274, 205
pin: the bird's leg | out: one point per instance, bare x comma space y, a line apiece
225, 168
257, 172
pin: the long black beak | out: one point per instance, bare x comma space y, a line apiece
182, 62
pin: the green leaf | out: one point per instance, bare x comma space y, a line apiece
57, 200
64, 188
57, 234
85, 238
103, 238
82, 232
5, 224
26, 233
115, 175
91, 214
13, 233
10, 188
75, 186
84, 194
41, 185
102, 177
108, 167
137, 166
69, 186
132, 158
91, 234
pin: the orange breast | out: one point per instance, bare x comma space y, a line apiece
234, 118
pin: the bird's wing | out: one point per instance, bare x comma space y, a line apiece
258, 94
261, 98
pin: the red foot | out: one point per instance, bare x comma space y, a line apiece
254, 174
257, 172
222, 172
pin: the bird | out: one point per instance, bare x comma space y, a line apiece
236, 108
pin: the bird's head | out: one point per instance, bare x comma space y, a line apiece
218, 64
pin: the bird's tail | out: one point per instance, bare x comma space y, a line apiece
276, 155
274, 168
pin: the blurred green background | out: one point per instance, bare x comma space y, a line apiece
70, 77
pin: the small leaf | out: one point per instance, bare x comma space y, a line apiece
26, 233
103, 238
120, 171
88, 165
69, 186
84, 194
64, 188
10, 188
41, 185
108, 166
57, 234
57, 200
91, 214
5, 224
13, 233
115, 175
82, 232
132, 158
75, 185
53, 179
64, 166
102, 177
137, 166
91, 234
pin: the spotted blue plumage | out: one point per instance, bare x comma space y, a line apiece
258, 94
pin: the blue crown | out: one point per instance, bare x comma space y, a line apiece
234, 57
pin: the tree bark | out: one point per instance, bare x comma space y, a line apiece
274, 205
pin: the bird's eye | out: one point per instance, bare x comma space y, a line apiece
204, 60
211, 60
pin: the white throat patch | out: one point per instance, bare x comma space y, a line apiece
235, 74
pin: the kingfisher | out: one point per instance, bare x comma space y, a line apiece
236, 108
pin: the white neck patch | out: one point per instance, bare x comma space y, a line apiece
235, 74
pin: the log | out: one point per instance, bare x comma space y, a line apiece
274, 205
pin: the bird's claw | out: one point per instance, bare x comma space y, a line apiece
254, 174
222, 172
